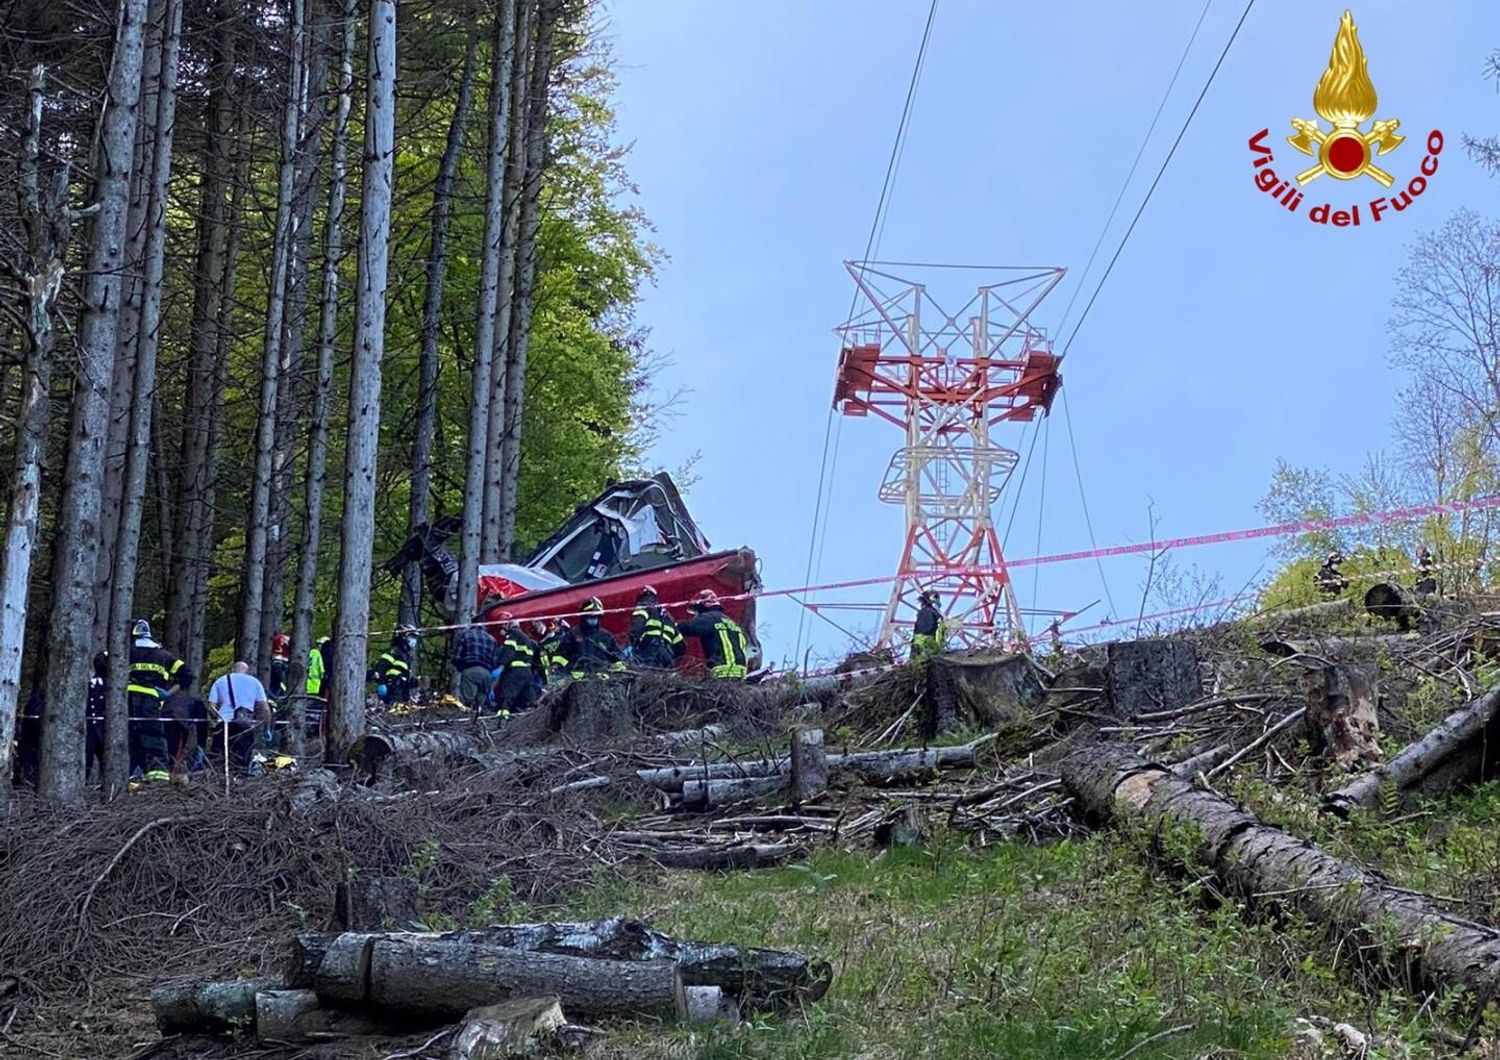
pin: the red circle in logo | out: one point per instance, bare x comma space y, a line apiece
1346, 154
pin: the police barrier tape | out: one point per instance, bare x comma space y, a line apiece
1388, 516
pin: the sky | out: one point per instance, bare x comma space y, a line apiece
1230, 333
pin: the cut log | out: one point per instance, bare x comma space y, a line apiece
761, 975
1319, 612
871, 765
725, 858
375, 904
1341, 718
707, 1004
702, 794
1393, 603
1276, 872
1151, 675
1464, 747
207, 1008
296, 1017
809, 765
446, 976
520, 1027
981, 691
688, 739
671, 778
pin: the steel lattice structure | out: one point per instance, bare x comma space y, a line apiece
947, 379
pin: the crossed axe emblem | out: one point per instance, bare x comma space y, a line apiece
1382, 137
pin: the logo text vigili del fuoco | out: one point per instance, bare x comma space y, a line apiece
1345, 99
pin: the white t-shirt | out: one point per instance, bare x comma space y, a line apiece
248, 691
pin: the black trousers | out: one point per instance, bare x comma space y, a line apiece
148, 741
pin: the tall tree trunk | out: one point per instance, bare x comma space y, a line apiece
317, 434
292, 344
192, 516
70, 646
484, 328
347, 710
128, 331
537, 98
515, 173
432, 309
148, 341
45, 222
250, 643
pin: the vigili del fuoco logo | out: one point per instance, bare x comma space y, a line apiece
1345, 99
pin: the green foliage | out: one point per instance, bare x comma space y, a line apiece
1293, 585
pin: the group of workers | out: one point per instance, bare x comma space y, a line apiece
1331, 581
508, 671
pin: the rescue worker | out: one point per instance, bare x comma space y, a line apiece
185, 723
281, 646
393, 668
554, 662
725, 646
589, 650
929, 635
516, 668
153, 672
319, 683
1329, 579
1426, 572
475, 656
655, 641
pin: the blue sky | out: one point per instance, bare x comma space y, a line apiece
761, 134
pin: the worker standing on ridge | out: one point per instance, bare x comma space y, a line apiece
281, 646
929, 635
319, 684
393, 668
1329, 579
475, 656
515, 669
725, 646
153, 672
589, 650
655, 641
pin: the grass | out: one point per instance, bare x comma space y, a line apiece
1074, 950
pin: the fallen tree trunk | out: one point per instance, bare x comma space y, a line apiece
1267, 867
872, 765
207, 1008
296, 1016
437, 976
705, 793
1458, 750
762, 975
725, 858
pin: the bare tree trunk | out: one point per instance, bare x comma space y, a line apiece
192, 516
475, 478
317, 434
127, 547
128, 331
70, 646
432, 308
347, 709
252, 581
520, 313
515, 175
46, 225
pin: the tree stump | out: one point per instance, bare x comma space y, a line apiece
1148, 675
809, 765
979, 692
519, 1027
375, 904
1341, 718
593, 711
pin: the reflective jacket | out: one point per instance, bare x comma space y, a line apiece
317, 669
588, 650
518, 655
153, 669
655, 641
725, 646
930, 634
394, 671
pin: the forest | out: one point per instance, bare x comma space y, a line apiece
279, 283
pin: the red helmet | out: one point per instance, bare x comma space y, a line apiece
647, 590
280, 644
538, 627
502, 616
706, 599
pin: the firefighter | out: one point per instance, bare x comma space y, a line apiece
393, 669
725, 646
319, 683
153, 672
1329, 579
281, 646
1426, 572
554, 662
655, 641
930, 633
516, 668
589, 650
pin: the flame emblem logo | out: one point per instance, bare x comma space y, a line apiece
1345, 98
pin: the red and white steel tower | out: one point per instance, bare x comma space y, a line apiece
946, 379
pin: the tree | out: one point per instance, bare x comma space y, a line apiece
70, 648
1486, 149
347, 720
